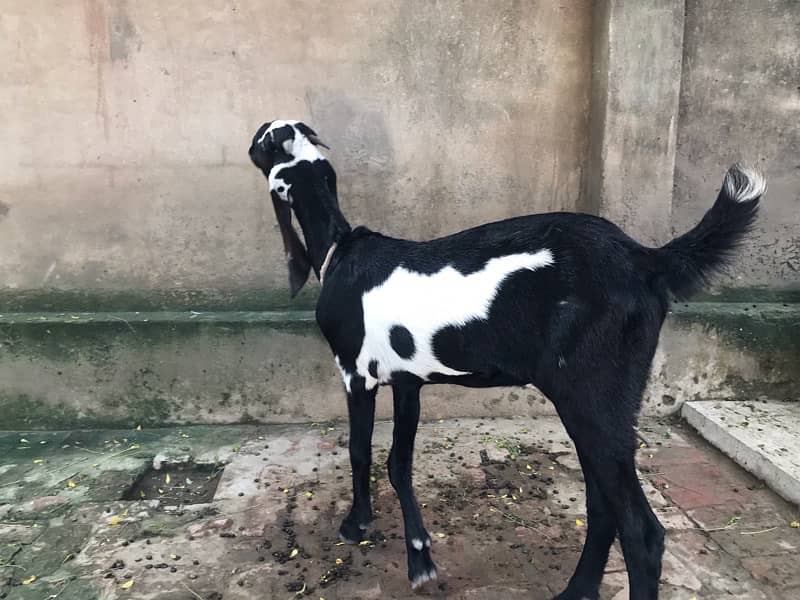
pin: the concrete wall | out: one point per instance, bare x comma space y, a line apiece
740, 99
125, 127
635, 85
125, 185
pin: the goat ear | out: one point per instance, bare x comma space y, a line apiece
311, 135
296, 256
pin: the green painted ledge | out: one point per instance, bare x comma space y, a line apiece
67, 369
172, 317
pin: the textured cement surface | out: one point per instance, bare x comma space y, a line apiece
739, 100
503, 500
763, 437
449, 114
154, 368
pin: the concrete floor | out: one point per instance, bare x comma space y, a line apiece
502, 499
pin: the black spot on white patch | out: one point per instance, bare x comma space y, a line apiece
402, 341
373, 369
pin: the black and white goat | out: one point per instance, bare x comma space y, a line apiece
566, 302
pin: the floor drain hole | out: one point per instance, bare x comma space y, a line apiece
177, 483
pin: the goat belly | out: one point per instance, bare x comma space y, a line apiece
409, 310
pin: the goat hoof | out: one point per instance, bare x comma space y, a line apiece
421, 569
350, 532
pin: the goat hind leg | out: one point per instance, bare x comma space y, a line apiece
585, 581
418, 543
361, 409
610, 459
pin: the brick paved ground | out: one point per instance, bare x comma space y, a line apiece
503, 500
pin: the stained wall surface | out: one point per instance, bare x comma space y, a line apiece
740, 100
125, 127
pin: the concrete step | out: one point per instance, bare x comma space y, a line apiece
762, 437
160, 367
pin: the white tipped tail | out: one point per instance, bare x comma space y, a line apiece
744, 183
687, 262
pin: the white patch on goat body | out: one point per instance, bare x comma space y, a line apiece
416, 543
346, 377
424, 304
301, 148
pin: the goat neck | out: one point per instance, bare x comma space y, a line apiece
317, 210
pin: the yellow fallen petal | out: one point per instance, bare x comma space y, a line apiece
440, 535
138, 428
29, 580
309, 494
114, 520
71, 484
37, 461
285, 490
160, 491
530, 468
294, 553
23, 441
167, 479
134, 447
364, 543
339, 561
127, 585
579, 523
795, 524
372, 479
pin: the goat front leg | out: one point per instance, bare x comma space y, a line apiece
418, 542
361, 409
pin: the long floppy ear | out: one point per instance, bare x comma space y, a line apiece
311, 135
296, 255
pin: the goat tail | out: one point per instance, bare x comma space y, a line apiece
688, 262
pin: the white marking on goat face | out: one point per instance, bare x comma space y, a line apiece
300, 148
422, 305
